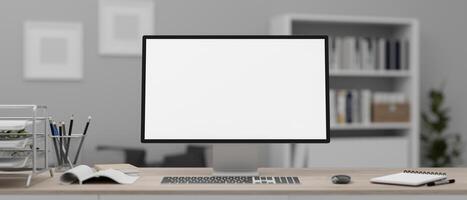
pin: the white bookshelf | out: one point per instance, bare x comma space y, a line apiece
401, 139
372, 126
375, 73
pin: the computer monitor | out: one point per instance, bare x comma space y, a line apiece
234, 89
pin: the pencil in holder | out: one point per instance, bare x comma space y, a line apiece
67, 146
67, 149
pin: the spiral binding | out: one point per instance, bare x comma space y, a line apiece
424, 172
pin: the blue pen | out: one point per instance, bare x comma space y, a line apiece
52, 131
59, 142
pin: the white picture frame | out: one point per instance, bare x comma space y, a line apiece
53, 51
122, 23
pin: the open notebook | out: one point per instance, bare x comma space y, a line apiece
410, 178
84, 173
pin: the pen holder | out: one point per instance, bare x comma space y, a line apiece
66, 149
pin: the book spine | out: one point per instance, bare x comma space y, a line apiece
346, 52
355, 107
331, 52
357, 56
365, 55
372, 51
341, 96
397, 55
348, 107
387, 58
332, 107
381, 57
405, 54
366, 106
337, 53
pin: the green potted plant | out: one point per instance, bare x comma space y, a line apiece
439, 148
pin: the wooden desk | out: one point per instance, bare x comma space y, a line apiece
315, 183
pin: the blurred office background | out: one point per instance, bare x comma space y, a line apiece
109, 85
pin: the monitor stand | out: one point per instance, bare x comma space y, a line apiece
235, 160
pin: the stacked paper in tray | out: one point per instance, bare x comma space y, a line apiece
12, 162
16, 144
13, 125
14, 139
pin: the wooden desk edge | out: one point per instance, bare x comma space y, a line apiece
315, 182
227, 192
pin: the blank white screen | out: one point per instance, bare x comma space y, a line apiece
235, 89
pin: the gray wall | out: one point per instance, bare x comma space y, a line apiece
110, 90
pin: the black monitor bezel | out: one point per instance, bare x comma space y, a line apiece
143, 82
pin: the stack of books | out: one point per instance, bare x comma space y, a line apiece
356, 106
368, 53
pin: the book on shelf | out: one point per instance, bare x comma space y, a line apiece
366, 106
368, 53
397, 55
387, 57
332, 107
341, 99
348, 107
352, 106
404, 54
381, 54
355, 106
349, 54
334, 52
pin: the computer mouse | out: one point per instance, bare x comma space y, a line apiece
340, 179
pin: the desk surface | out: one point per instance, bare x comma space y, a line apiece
314, 181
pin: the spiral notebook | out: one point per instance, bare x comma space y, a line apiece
410, 178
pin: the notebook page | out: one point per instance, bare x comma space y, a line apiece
77, 174
117, 176
412, 179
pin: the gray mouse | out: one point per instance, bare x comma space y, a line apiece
340, 179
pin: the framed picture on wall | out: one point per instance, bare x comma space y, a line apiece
53, 51
122, 23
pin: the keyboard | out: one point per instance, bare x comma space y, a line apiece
230, 180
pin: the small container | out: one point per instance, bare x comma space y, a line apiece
65, 150
391, 112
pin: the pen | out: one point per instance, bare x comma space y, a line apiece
52, 130
62, 141
69, 139
64, 145
70, 129
66, 141
441, 182
71, 125
63, 130
57, 133
82, 140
